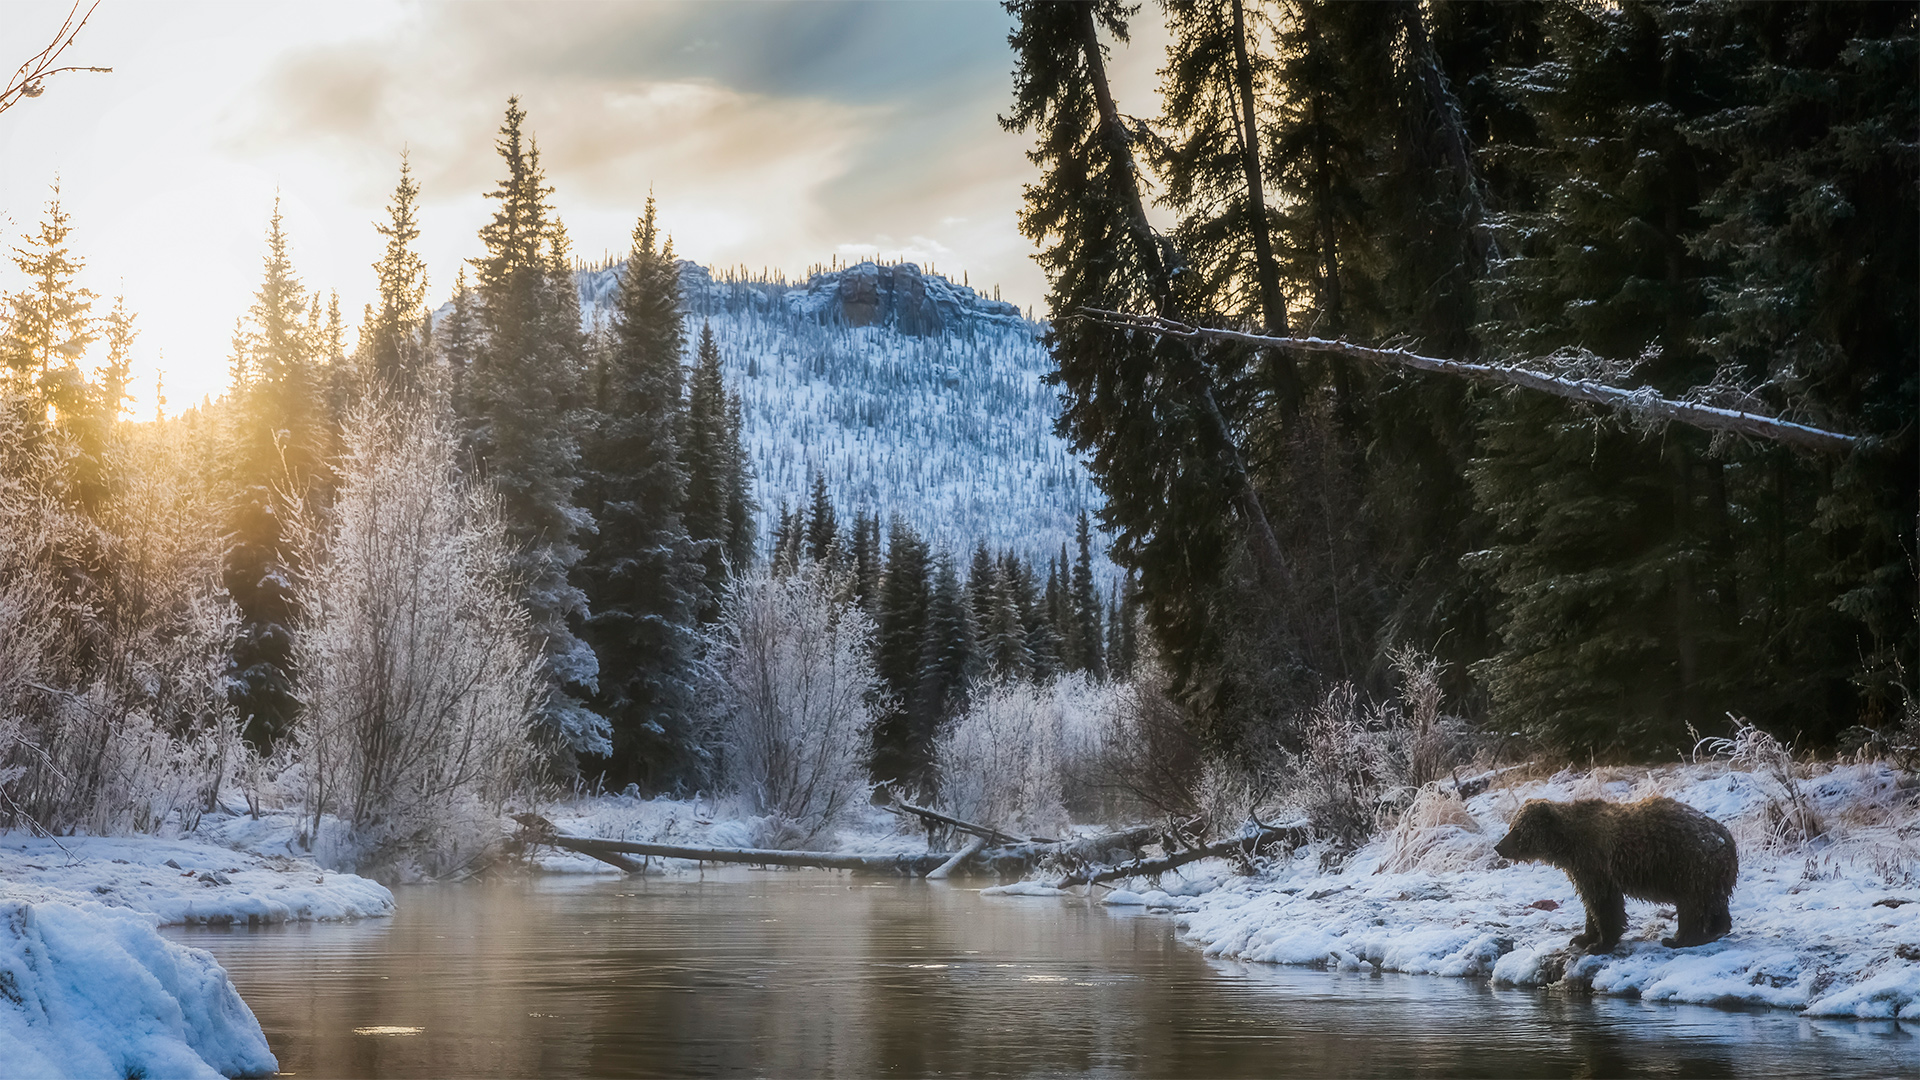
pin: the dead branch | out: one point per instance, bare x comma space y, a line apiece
29, 80
985, 832
1291, 835
1643, 402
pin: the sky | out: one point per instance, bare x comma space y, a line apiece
773, 135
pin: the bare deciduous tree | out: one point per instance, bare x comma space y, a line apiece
30, 79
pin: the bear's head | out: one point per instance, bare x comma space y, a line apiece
1535, 833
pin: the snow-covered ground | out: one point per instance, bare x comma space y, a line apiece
1830, 926
88, 987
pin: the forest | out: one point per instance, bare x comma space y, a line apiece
414, 569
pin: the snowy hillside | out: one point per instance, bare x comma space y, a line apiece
912, 394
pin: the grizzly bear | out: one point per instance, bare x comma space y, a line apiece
1655, 849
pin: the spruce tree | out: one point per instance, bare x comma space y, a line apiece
1088, 634
641, 571
901, 747
946, 654
275, 450
741, 530
1611, 556
863, 555
823, 531
524, 397
396, 335
48, 327
707, 457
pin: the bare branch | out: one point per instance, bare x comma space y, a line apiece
29, 79
1643, 402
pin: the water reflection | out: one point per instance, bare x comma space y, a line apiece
804, 974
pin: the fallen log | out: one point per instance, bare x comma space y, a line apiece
959, 858
1293, 835
1005, 861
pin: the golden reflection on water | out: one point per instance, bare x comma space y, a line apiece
818, 973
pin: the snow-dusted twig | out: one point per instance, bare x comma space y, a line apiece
1643, 402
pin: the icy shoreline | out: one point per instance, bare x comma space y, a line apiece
1830, 927
88, 987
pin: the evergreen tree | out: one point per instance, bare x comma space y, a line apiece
524, 395
822, 534
902, 746
49, 326
707, 457
946, 653
787, 541
1814, 221
741, 534
460, 339
396, 335
1611, 555
641, 571
275, 450
1088, 633
863, 554
1042, 635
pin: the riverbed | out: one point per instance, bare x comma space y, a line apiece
808, 973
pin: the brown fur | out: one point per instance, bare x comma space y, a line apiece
1655, 849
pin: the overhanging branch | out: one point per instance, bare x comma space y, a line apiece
1643, 402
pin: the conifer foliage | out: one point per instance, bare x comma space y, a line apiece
524, 396
641, 573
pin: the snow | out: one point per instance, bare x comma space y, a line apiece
212, 884
1829, 926
701, 821
89, 988
935, 411
88, 991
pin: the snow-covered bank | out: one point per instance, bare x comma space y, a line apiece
1829, 925
187, 880
91, 991
89, 988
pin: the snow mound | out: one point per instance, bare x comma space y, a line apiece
185, 881
1022, 888
91, 991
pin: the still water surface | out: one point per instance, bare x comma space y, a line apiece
817, 973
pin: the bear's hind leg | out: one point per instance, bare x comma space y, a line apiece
1690, 931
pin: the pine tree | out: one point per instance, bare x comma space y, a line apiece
1612, 546
707, 457
902, 749
822, 532
1814, 220
276, 450
459, 340
396, 335
523, 398
863, 555
1088, 634
45, 333
741, 507
946, 654
641, 571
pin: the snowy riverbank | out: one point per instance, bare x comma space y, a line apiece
89, 988
1829, 925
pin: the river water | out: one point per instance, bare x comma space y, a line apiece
818, 973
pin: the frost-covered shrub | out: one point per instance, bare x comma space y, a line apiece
417, 675
1362, 763
1021, 753
795, 676
1790, 818
113, 647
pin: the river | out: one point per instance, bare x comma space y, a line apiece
811, 973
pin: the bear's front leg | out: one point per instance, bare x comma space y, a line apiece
1610, 911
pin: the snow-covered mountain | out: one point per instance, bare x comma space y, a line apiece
912, 394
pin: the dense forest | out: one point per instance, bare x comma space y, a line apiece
1712, 200
504, 546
